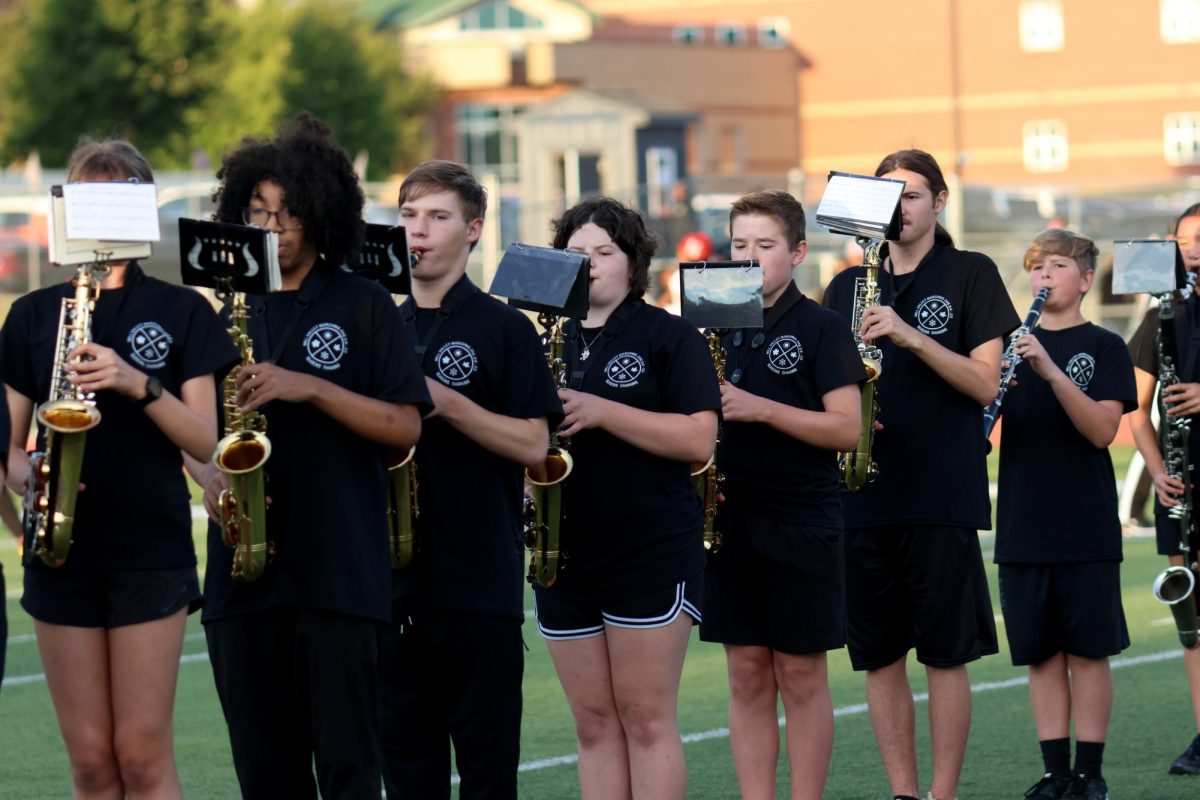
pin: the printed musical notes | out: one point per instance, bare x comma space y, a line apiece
111, 211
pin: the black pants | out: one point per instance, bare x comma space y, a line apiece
451, 676
299, 686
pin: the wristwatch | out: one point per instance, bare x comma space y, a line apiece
153, 392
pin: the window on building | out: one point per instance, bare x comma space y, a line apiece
1181, 138
730, 151
1041, 26
773, 31
1045, 145
729, 33
497, 15
487, 138
688, 34
1179, 21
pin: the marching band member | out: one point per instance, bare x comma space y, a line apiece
11, 523
295, 654
1184, 400
773, 593
1060, 562
914, 570
462, 595
641, 408
110, 620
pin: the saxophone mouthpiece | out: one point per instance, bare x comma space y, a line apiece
414, 256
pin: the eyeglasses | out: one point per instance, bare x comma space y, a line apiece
261, 217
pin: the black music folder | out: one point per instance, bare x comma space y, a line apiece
861, 205
384, 258
1154, 266
228, 257
543, 279
721, 294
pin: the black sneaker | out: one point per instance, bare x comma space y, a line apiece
1050, 787
1084, 787
1189, 762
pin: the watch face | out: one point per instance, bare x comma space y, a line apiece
153, 388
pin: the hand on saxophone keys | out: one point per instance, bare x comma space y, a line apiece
263, 383
880, 321
93, 367
580, 411
738, 405
217, 485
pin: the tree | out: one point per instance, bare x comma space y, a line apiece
130, 68
341, 69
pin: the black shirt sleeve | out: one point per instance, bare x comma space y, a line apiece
16, 350
989, 311
208, 348
529, 391
1114, 374
397, 376
1143, 346
838, 363
689, 382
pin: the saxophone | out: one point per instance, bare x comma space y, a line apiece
1175, 586
241, 455
67, 415
543, 504
706, 477
403, 509
858, 468
1010, 360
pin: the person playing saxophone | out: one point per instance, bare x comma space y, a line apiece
1060, 562
641, 407
295, 654
914, 569
110, 620
773, 593
1183, 399
462, 595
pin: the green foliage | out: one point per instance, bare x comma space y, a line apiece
106, 68
341, 70
180, 76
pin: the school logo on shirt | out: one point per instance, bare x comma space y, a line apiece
149, 345
933, 315
623, 370
456, 363
783, 354
1080, 369
325, 345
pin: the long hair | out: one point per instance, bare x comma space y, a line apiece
317, 178
926, 166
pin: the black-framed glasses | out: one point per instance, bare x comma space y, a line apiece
261, 217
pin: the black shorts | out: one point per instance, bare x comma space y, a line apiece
916, 586
562, 617
1074, 608
108, 599
774, 584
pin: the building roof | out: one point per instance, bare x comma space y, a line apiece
657, 108
400, 14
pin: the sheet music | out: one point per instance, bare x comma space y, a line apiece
112, 211
1141, 265
860, 198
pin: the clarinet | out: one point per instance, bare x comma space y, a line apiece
1010, 360
1174, 587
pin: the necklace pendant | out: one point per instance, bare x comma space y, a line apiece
586, 352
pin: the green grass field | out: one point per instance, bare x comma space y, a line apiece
1152, 718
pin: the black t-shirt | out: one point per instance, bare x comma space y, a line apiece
632, 520
931, 451
1057, 496
135, 511
328, 485
1143, 347
804, 353
470, 541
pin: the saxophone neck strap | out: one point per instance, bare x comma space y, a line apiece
572, 333
459, 293
310, 289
